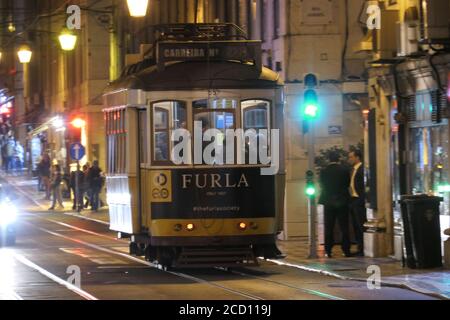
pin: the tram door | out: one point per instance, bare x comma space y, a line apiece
144, 148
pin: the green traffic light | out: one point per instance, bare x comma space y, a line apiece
310, 191
311, 104
311, 111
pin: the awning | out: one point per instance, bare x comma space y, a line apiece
43, 127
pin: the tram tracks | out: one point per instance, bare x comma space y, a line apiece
313, 293
241, 293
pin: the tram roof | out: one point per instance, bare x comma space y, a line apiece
191, 75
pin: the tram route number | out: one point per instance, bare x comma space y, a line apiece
226, 310
161, 186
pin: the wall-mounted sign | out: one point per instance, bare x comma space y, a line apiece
316, 12
334, 130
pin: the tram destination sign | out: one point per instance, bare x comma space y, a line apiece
244, 51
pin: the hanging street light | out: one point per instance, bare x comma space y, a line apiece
24, 54
138, 8
67, 40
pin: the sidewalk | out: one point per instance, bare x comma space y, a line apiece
28, 187
434, 282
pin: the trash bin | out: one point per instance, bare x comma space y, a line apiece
422, 231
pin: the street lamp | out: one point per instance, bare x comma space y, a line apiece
24, 54
67, 40
138, 8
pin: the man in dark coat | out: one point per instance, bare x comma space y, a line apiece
358, 198
334, 181
94, 178
78, 203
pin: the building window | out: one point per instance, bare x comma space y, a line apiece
276, 18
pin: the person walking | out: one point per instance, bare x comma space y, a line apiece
56, 187
358, 199
334, 181
95, 184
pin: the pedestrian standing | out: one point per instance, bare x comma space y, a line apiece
86, 187
10, 149
95, 184
44, 172
78, 203
358, 198
334, 181
56, 187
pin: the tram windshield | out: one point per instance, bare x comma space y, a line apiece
219, 114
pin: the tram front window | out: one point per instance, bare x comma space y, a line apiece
167, 116
255, 116
220, 115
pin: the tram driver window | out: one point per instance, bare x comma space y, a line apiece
167, 116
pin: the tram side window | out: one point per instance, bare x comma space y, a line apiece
255, 115
167, 116
116, 138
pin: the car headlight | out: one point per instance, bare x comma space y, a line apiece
8, 214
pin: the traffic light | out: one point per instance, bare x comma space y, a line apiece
310, 105
310, 189
76, 126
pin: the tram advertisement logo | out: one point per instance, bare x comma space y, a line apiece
161, 186
212, 193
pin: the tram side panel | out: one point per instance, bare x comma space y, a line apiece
122, 180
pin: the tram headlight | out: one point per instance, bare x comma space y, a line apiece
242, 226
8, 214
190, 227
177, 227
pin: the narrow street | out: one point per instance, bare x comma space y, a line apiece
49, 244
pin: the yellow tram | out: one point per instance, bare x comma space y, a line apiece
194, 213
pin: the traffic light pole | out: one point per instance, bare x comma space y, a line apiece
77, 188
312, 208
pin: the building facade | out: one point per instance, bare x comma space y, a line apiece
322, 37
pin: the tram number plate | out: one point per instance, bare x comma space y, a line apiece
161, 186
